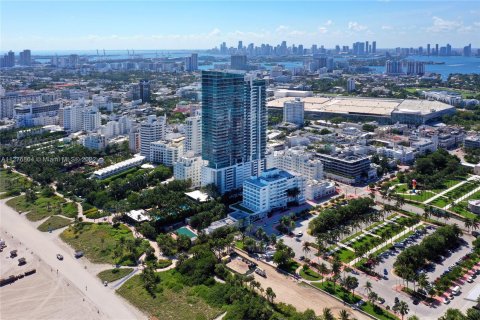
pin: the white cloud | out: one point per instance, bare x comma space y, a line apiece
355, 26
387, 27
322, 30
442, 25
328, 23
214, 32
282, 28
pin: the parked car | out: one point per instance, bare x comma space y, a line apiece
261, 272
78, 254
470, 279
22, 261
59, 257
446, 300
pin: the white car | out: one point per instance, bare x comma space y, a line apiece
470, 279
446, 301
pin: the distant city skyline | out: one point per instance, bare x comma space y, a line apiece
164, 25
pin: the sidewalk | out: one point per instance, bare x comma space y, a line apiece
473, 177
465, 196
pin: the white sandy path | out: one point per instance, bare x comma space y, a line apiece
107, 302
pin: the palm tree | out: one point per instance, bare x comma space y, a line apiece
476, 223
368, 287
306, 248
327, 314
403, 308
372, 297
344, 315
270, 295
336, 269
468, 223
427, 212
323, 269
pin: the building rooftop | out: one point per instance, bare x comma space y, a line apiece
197, 195
373, 106
269, 176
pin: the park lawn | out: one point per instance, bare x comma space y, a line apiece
338, 291
239, 244
460, 191
40, 209
345, 255
373, 225
70, 210
389, 230
94, 213
422, 196
173, 300
401, 188
99, 241
291, 267
369, 240
11, 183
440, 202
462, 209
448, 184
114, 274
310, 275
378, 312
349, 298
351, 237
53, 223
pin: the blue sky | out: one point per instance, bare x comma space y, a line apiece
55, 25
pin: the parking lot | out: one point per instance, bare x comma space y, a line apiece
388, 288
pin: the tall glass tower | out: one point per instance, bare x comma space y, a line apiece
234, 125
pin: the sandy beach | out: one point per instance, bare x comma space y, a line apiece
74, 293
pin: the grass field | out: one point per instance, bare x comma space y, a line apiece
369, 241
349, 298
310, 275
11, 183
70, 210
422, 196
173, 300
40, 209
103, 243
114, 274
389, 230
345, 255
440, 202
54, 222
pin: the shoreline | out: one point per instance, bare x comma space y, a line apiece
45, 246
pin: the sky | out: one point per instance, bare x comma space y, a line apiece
167, 25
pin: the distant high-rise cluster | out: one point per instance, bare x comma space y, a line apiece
393, 67
191, 63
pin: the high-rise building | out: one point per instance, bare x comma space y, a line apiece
193, 133
436, 50
191, 63
238, 62
293, 112
449, 50
393, 67
359, 48
366, 47
350, 85
25, 58
71, 117
234, 123
91, 119
374, 47
256, 120
428, 49
144, 90
467, 50
240, 45
8, 60
416, 68
151, 130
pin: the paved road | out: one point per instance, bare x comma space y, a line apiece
302, 297
108, 303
